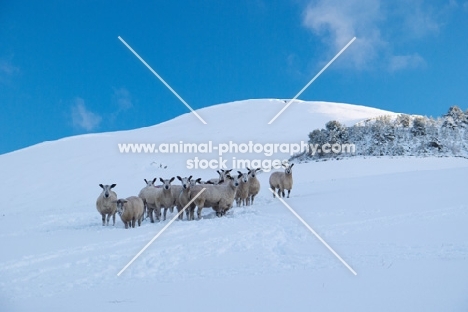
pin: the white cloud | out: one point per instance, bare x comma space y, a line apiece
420, 19
7, 70
122, 98
7, 67
400, 62
82, 117
378, 26
339, 21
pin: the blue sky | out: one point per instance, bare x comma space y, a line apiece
64, 72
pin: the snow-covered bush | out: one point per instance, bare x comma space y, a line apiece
401, 135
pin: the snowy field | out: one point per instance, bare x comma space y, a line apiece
400, 223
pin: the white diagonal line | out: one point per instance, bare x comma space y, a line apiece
315, 233
313, 79
160, 232
162, 80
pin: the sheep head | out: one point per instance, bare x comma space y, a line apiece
106, 189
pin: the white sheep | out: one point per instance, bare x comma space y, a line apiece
147, 189
254, 185
184, 197
165, 197
242, 191
219, 197
149, 195
175, 190
105, 203
130, 210
223, 174
282, 181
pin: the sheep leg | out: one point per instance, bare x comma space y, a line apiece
199, 212
191, 213
126, 225
253, 196
165, 211
149, 213
274, 191
289, 191
108, 217
133, 222
113, 219
157, 212
103, 219
181, 215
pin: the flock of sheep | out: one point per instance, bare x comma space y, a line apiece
218, 194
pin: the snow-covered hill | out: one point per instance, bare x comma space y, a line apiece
400, 223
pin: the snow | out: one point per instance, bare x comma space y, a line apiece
399, 222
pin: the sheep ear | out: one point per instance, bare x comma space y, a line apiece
209, 182
161, 179
291, 166
218, 171
240, 175
180, 179
172, 179
239, 172
189, 178
247, 168
198, 180
227, 171
124, 201
154, 180
258, 169
145, 181
113, 185
102, 186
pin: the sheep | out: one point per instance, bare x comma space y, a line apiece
105, 204
148, 195
223, 174
166, 197
147, 189
242, 191
184, 197
191, 212
175, 189
219, 197
282, 181
130, 210
254, 185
